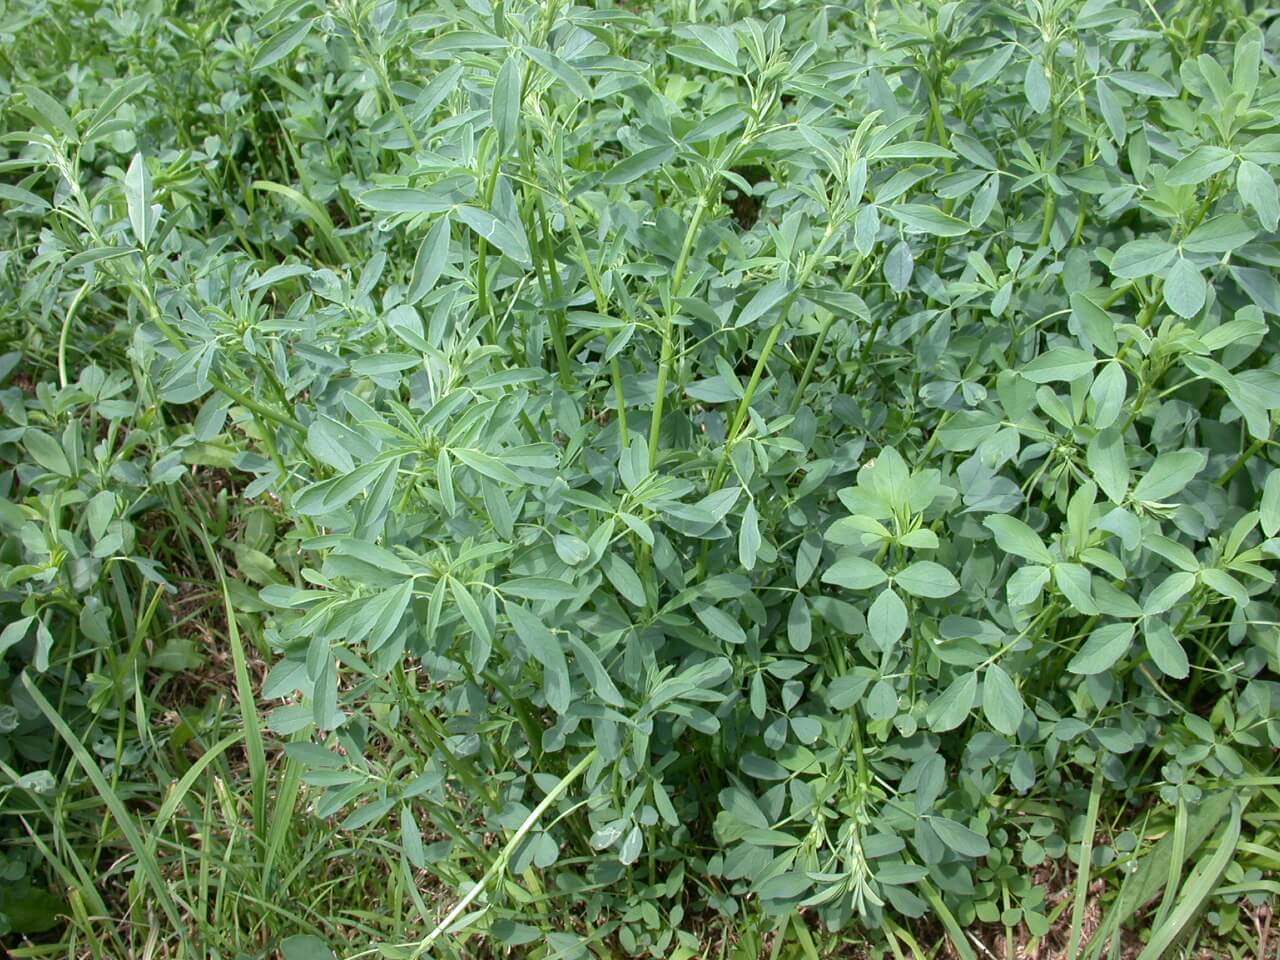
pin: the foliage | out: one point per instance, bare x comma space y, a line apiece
698, 462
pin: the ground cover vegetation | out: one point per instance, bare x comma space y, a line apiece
682, 479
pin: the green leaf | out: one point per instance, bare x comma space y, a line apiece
1108, 392
1001, 701
925, 578
767, 297
631, 847
959, 838
1108, 464
854, 573
481, 635
1015, 537
952, 707
411, 838
538, 588
922, 218
572, 550
1244, 72
967, 429
1076, 584
1142, 258
384, 364
624, 579
1165, 650
1168, 475
1270, 507
444, 480
506, 102
137, 192
509, 239
47, 452
1035, 86
898, 267
1225, 585
403, 200
637, 165
487, 466
49, 113
720, 623
799, 624
1257, 189
1143, 84
1168, 592
14, 632
541, 644
1104, 647
432, 258
304, 946
602, 684
1059, 364
1185, 289
18, 195
1219, 235
1096, 324
281, 44
887, 619
749, 537
570, 77
1112, 111
1199, 165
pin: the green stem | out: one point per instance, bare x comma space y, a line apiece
500, 863
744, 405
1050, 198
811, 363
668, 340
284, 419
437, 736
380, 70
1244, 458
1051, 160
482, 247
816, 353
525, 718
66, 329
558, 320
615, 368
602, 307
1202, 34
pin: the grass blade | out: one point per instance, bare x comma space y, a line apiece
1082, 876
315, 213
254, 746
954, 931
1197, 890
146, 861
1179, 853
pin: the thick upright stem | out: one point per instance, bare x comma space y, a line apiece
482, 247
811, 364
668, 331
1051, 164
744, 405
558, 320
602, 307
